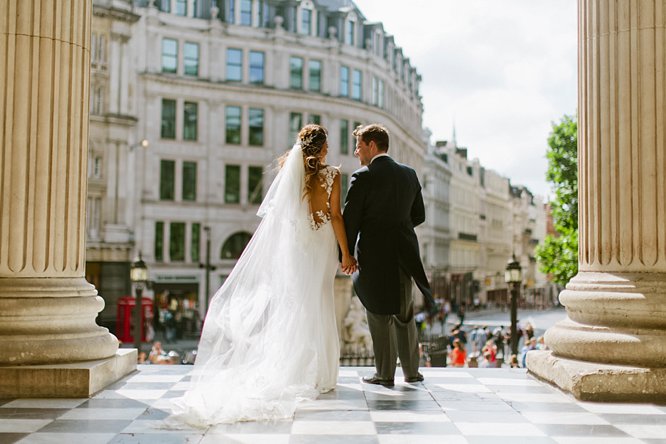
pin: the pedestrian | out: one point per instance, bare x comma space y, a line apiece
458, 355
461, 313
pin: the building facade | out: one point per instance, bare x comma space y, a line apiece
435, 233
191, 102
478, 220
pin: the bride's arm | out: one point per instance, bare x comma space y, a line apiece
348, 261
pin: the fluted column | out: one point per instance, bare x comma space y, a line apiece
616, 305
47, 309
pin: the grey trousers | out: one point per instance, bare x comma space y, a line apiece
396, 336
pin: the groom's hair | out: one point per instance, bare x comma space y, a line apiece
373, 132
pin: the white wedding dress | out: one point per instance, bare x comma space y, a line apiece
270, 338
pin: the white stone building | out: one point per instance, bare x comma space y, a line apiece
218, 92
489, 220
496, 239
435, 233
529, 229
465, 251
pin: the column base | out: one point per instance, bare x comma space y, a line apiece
75, 380
589, 381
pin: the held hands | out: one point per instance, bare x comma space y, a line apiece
349, 264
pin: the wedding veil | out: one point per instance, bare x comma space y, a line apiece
255, 357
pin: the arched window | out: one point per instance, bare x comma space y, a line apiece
234, 245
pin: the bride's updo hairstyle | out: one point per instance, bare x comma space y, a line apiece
312, 138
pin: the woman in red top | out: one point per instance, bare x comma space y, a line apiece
458, 355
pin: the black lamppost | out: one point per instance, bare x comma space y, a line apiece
139, 277
208, 267
513, 275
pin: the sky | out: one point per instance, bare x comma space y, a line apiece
501, 71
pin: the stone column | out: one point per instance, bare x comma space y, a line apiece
47, 309
612, 346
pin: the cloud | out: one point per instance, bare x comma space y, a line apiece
502, 70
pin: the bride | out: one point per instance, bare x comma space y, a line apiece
270, 337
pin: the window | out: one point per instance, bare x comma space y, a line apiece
93, 48
349, 38
181, 7
165, 5
344, 137
190, 113
234, 64
169, 56
380, 94
168, 130
356, 85
246, 12
98, 50
234, 246
315, 75
233, 125
231, 16
256, 126
306, 21
93, 217
232, 184
159, 241
262, 13
295, 124
195, 242
97, 101
256, 67
167, 179
344, 81
255, 184
189, 181
296, 73
315, 118
375, 91
191, 59
377, 44
97, 167
101, 49
177, 241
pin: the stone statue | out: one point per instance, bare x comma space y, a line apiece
356, 340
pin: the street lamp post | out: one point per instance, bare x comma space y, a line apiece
139, 277
208, 267
513, 275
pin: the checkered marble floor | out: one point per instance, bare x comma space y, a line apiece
451, 406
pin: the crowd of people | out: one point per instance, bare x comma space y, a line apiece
474, 346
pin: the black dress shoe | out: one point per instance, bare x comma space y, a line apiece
417, 378
378, 381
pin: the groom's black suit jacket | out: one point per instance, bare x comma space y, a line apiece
382, 207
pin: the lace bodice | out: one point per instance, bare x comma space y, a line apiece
320, 214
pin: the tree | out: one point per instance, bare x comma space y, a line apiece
558, 254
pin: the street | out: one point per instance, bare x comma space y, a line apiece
540, 319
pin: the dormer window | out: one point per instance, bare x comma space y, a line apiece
246, 12
377, 45
350, 30
181, 7
306, 22
231, 12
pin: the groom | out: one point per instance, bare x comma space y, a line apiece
382, 207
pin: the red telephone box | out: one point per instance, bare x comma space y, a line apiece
125, 318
